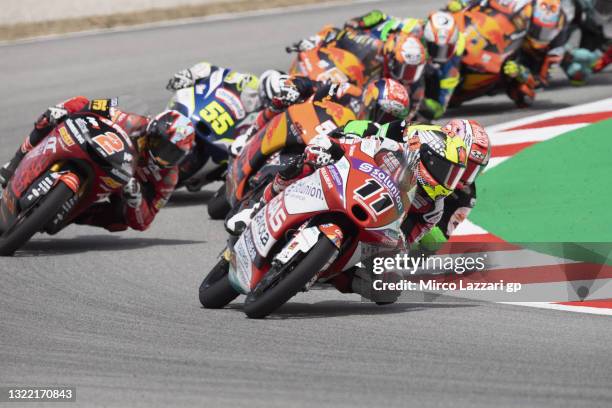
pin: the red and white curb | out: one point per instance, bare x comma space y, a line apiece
538, 271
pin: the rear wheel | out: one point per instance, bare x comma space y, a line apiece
216, 291
34, 219
218, 206
280, 285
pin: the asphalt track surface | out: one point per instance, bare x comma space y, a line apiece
117, 315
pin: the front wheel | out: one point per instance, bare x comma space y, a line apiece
218, 206
216, 291
278, 286
34, 219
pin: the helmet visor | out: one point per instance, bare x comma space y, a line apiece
440, 53
406, 73
164, 152
445, 172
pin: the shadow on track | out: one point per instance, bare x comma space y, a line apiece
94, 243
340, 308
184, 198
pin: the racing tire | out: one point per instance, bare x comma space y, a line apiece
259, 305
218, 206
216, 290
36, 220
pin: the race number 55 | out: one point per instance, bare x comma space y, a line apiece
217, 116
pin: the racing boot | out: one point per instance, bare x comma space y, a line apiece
358, 280
6, 171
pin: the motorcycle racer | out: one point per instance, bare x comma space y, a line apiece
400, 56
445, 45
162, 142
275, 91
460, 203
436, 160
435, 180
546, 26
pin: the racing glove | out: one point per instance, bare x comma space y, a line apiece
187, 77
132, 193
369, 20
279, 91
51, 117
180, 80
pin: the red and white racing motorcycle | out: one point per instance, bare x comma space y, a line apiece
82, 161
311, 232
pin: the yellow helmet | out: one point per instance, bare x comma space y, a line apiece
442, 159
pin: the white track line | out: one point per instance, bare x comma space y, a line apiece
565, 308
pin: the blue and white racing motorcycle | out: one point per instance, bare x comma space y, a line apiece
219, 115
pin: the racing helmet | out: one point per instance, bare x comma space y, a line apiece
170, 137
442, 159
477, 143
546, 23
441, 36
404, 58
386, 100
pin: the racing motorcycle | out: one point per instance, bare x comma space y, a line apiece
338, 62
83, 160
490, 42
218, 115
311, 232
268, 150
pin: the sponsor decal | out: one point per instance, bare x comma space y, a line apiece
326, 178
99, 104
51, 144
304, 190
65, 210
232, 101
244, 254
66, 137
75, 132
383, 178
111, 183
43, 186
120, 175
336, 177
94, 123
250, 247
260, 232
